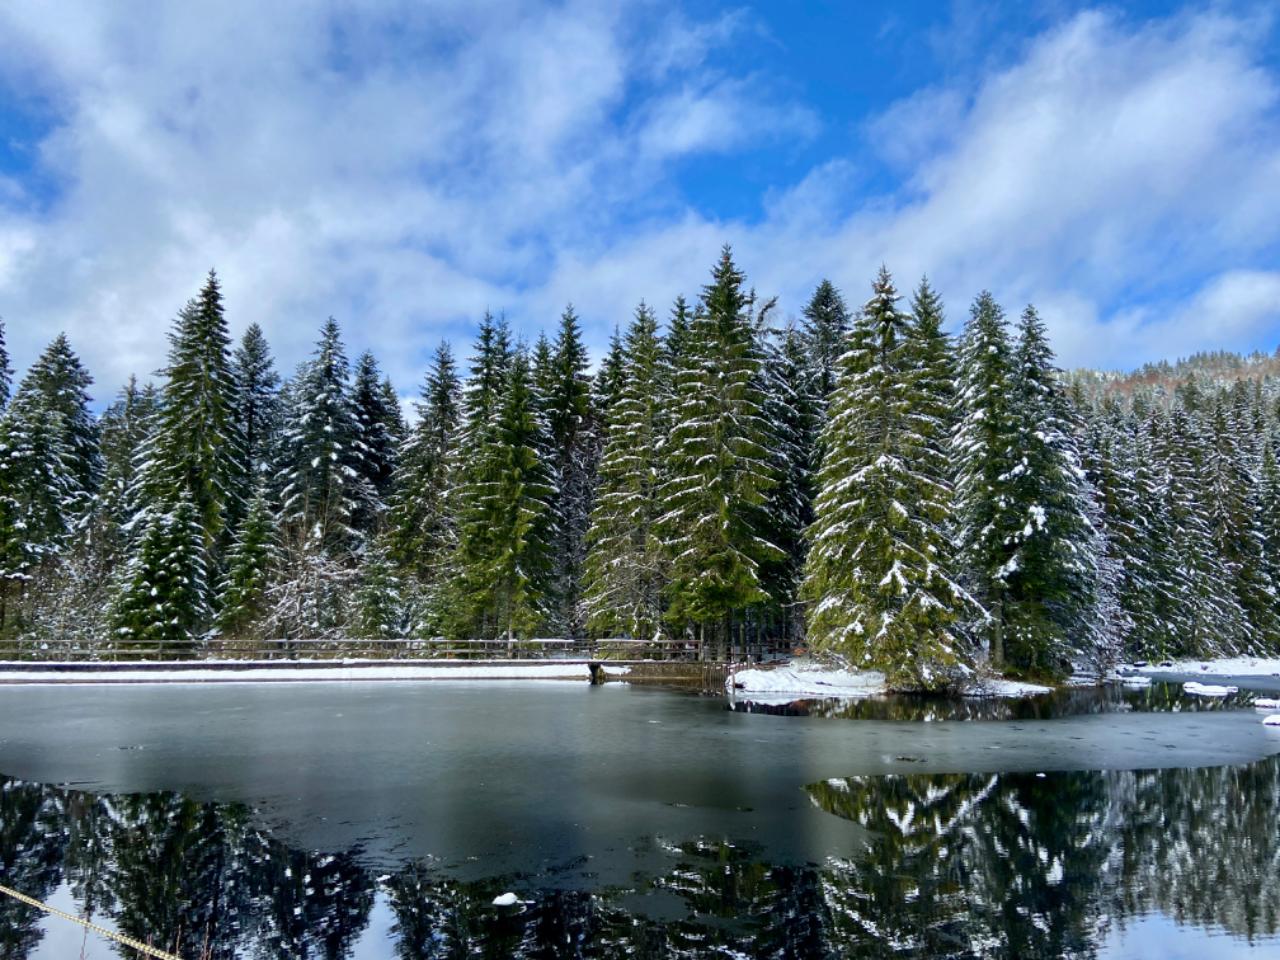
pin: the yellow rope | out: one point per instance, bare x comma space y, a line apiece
100, 931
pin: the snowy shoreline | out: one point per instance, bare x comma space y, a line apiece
816, 682
1224, 667
273, 672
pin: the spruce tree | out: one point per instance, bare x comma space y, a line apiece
569, 425
986, 453
376, 427
625, 570
1050, 577
163, 592
6, 371
243, 592
421, 527
879, 575
257, 401
826, 324
720, 465
608, 383
379, 603
61, 380
197, 448
503, 568
325, 488
1269, 512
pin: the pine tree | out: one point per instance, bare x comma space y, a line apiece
503, 577
376, 426
6, 371
1050, 577
569, 422
720, 465
379, 603
249, 565
257, 401
826, 324
879, 575
986, 451
1269, 512
61, 380
625, 569
608, 383
126, 427
421, 527
163, 593
325, 488
197, 448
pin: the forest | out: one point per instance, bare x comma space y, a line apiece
856, 479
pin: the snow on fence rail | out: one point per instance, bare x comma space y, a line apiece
326, 649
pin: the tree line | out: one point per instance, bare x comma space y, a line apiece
856, 479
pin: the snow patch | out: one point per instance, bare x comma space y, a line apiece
1266, 703
1271, 721
1224, 667
344, 672
999, 687
1208, 689
505, 900
808, 682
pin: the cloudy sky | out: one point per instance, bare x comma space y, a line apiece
405, 165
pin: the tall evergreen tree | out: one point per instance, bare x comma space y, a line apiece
986, 451
6, 371
608, 383
197, 448
826, 324
625, 569
376, 425
257, 400
880, 574
325, 487
503, 577
1050, 577
62, 381
569, 424
421, 525
720, 464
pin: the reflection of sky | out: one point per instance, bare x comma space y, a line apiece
1159, 937
404, 170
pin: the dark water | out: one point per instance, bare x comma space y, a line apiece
380, 820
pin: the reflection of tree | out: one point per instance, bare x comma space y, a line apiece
31, 850
1007, 865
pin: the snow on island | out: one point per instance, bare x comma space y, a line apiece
1208, 689
1224, 667
801, 681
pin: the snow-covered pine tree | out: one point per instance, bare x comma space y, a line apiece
379, 602
1235, 521
1049, 596
257, 400
720, 465
1269, 511
126, 427
503, 566
569, 416
607, 384
6, 371
325, 488
879, 574
197, 447
39, 495
421, 528
61, 379
826, 324
677, 338
985, 449
376, 426
794, 417
163, 593
250, 561
625, 569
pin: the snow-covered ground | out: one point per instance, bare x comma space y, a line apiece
1208, 689
1225, 667
327, 673
815, 681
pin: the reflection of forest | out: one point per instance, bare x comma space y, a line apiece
1013, 865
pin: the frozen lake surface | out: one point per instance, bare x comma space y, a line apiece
373, 820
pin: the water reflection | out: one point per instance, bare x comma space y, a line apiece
956, 865
1063, 702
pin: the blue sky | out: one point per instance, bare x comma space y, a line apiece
404, 166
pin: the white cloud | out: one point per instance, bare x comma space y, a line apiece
406, 166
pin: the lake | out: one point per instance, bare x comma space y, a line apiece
380, 820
